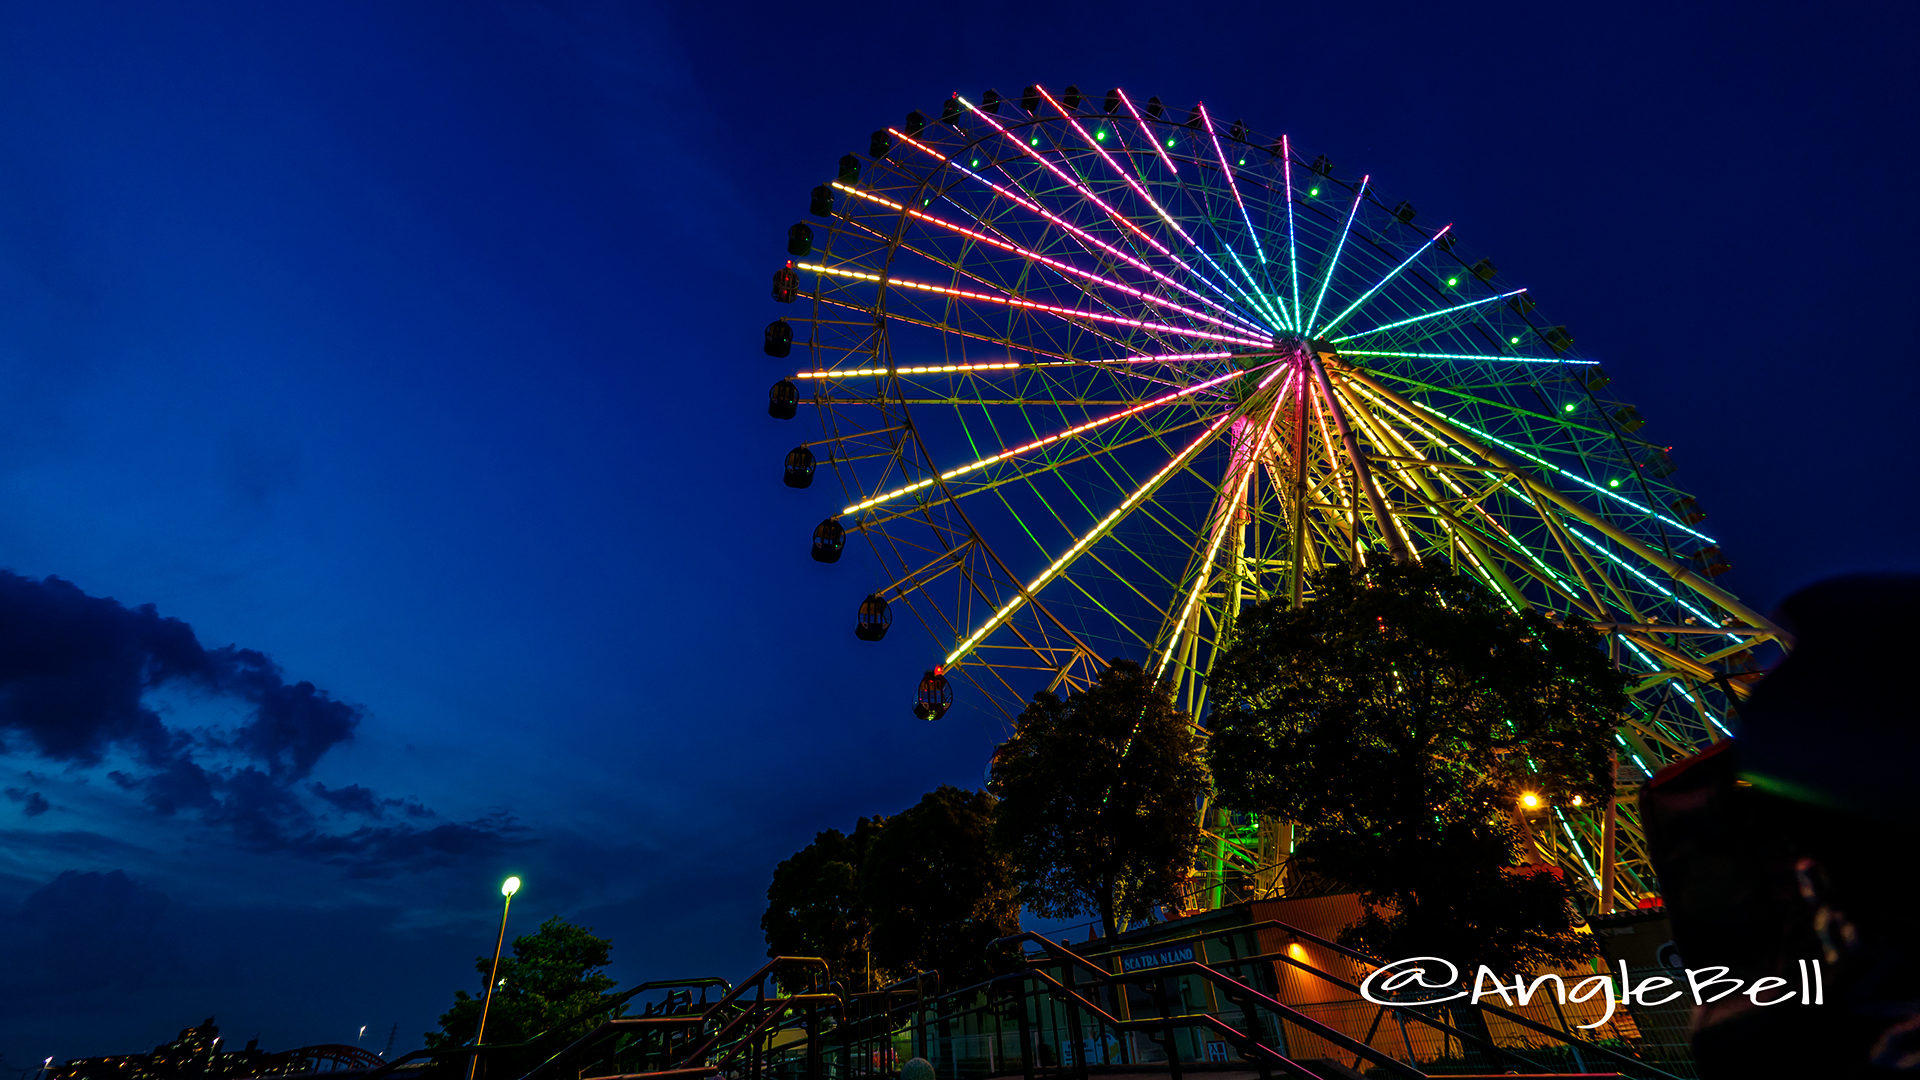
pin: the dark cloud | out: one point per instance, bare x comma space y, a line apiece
35, 803
85, 931
75, 675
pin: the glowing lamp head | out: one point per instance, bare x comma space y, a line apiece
510, 886
1297, 951
1614, 483
1313, 191
1529, 800
1570, 406
1452, 281
1578, 800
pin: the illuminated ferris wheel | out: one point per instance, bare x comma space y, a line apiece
1092, 374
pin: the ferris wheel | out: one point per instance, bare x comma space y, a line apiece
1092, 374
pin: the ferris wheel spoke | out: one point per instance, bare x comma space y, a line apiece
1074, 432
1226, 509
1060, 266
1333, 264
1434, 315
1133, 182
1334, 323
1465, 434
1087, 539
1233, 186
1021, 303
1127, 224
1018, 196
1293, 244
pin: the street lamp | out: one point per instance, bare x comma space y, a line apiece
507, 889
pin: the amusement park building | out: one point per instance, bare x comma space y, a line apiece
196, 1055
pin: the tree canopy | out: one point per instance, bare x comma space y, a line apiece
937, 890
1400, 714
1098, 795
551, 976
814, 906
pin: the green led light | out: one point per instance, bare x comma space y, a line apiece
1570, 406
1513, 341
1452, 281
1035, 141
1101, 135
1313, 191
1243, 161
1169, 141
1613, 483
976, 163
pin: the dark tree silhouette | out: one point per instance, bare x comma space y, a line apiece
937, 890
1400, 714
553, 976
814, 906
1098, 795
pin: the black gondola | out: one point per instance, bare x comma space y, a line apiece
799, 468
1112, 104
786, 284
935, 696
875, 617
916, 122
950, 112
1070, 97
1322, 165
1030, 99
800, 239
821, 204
879, 143
1404, 212
779, 339
829, 540
1155, 109
849, 168
990, 102
783, 401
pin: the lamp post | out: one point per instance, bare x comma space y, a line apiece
507, 889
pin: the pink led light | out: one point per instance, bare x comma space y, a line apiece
1147, 131
1058, 264
1232, 185
1034, 305
1293, 247
1052, 218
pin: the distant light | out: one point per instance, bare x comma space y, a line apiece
976, 163
1313, 191
1571, 406
1577, 800
1529, 800
1243, 161
510, 886
1035, 141
1101, 135
1615, 482
1169, 140
1511, 341
1452, 281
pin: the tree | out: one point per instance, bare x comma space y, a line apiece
937, 890
1400, 714
814, 906
1098, 795
553, 976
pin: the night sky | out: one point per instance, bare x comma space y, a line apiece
405, 358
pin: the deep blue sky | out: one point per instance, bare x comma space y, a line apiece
416, 347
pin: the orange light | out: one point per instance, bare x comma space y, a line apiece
1529, 800
1577, 800
1297, 951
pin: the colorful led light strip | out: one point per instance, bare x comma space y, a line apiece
1148, 132
1232, 185
1093, 534
1052, 218
1227, 510
1127, 176
1029, 305
1293, 246
1334, 322
1334, 266
1072, 432
1465, 356
1576, 478
942, 369
1429, 315
1058, 264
